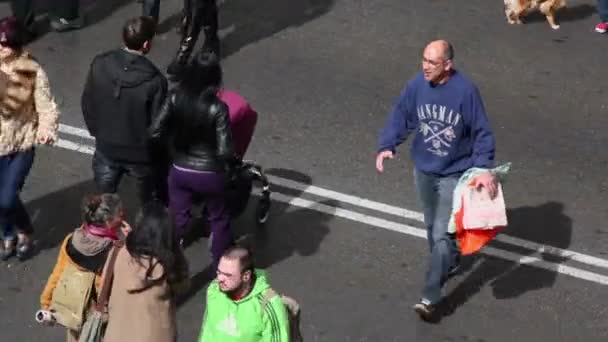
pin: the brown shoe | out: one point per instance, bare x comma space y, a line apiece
425, 311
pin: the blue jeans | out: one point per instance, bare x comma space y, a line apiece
602, 8
108, 173
435, 194
14, 168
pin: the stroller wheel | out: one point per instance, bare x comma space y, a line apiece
263, 210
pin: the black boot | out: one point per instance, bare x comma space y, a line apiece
212, 40
184, 23
181, 59
181, 26
190, 28
210, 26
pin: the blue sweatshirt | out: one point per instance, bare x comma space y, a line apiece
451, 125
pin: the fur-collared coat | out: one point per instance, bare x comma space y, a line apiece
27, 107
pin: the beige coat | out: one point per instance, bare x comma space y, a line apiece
139, 317
27, 107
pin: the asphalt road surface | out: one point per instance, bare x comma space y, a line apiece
342, 239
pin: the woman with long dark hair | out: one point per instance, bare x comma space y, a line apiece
197, 124
148, 274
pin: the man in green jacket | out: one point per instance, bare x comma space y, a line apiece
238, 306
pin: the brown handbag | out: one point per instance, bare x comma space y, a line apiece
95, 326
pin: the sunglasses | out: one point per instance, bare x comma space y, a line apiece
5, 44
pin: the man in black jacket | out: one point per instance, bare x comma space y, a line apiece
123, 93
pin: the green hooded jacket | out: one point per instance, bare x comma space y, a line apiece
245, 320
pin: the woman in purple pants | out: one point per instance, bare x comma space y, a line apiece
197, 124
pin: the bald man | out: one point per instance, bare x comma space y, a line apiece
452, 134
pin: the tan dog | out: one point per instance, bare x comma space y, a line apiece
516, 9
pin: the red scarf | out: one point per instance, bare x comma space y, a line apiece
100, 231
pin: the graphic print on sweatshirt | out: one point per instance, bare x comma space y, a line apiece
229, 326
438, 126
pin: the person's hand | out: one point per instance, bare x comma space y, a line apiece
46, 139
487, 180
46, 317
53, 320
380, 159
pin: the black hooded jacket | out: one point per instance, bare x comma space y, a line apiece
124, 91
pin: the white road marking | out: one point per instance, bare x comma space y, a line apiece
71, 130
70, 145
536, 248
420, 233
416, 216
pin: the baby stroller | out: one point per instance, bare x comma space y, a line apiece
240, 188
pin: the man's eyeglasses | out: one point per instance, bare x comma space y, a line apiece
433, 63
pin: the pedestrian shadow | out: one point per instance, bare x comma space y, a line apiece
545, 225
93, 12
58, 213
568, 14
169, 23
298, 233
249, 21
96, 11
297, 227
287, 233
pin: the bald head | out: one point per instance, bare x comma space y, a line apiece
437, 61
441, 48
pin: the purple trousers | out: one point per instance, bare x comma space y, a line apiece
183, 185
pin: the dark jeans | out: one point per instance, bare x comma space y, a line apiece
436, 195
24, 12
602, 8
183, 185
108, 174
14, 168
151, 8
66, 9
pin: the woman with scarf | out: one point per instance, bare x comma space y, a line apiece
87, 248
28, 117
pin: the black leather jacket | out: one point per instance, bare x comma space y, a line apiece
211, 150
